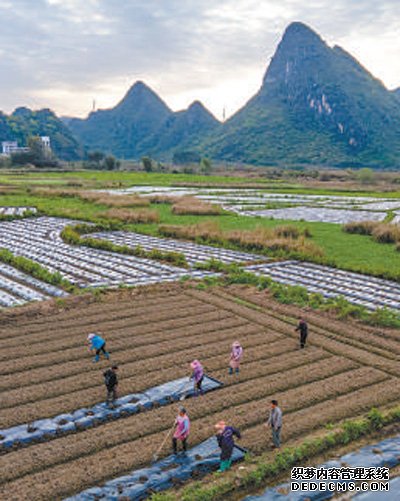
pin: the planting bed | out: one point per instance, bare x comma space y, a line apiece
17, 288
162, 475
358, 289
385, 454
315, 214
39, 239
253, 202
194, 253
85, 418
153, 334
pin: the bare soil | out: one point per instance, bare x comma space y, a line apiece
46, 370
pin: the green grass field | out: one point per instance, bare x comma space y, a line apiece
348, 251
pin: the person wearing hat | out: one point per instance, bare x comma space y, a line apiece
226, 443
236, 357
182, 429
97, 343
197, 376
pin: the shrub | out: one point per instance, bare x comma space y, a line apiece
287, 231
361, 227
35, 270
195, 206
131, 216
386, 233
73, 236
376, 419
114, 200
259, 239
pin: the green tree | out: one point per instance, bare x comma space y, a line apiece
366, 176
96, 157
110, 163
147, 163
205, 166
36, 155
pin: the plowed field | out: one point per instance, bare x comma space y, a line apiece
46, 370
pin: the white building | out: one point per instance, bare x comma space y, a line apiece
10, 147
46, 143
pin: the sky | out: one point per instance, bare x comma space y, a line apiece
64, 54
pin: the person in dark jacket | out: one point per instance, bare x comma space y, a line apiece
303, 328
226, 443
111, 382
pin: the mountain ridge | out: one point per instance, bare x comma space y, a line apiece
24, 122
316, 105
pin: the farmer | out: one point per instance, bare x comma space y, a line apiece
236, 357
303, 328
197, 376
182, 429
275, 422
97, 343
226, 443
111, 382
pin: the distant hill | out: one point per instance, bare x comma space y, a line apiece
181, 130
24, 122
316, 105
142, 124
396, 92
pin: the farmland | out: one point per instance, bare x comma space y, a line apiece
352, 252
153, 333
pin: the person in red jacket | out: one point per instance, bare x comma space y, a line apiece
182, 429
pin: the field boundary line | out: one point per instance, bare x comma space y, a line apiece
334, 346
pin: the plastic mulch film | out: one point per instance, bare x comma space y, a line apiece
45, 429
162, 475
384, 454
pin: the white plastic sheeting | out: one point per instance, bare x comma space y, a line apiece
359, 289
16, 211
254, 203
39, 240
194, 253
17, 288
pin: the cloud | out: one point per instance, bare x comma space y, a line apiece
64, 53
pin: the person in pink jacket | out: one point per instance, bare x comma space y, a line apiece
182, 429
197, 376
236, 357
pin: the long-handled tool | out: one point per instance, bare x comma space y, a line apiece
155, 456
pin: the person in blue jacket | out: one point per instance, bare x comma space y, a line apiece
226, 443
97, 343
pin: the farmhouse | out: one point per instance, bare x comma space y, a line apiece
11, 147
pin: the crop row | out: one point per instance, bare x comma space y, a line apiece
226, 398
356, 336
94, 467
253, 371
148, 355
59, 371
141, 316
86, 308
319, 319
281, 324
75, 353
118, 336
